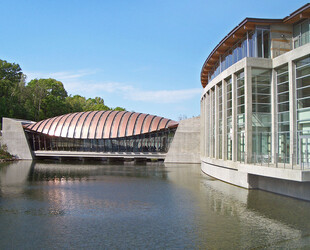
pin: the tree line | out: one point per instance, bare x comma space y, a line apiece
40, 98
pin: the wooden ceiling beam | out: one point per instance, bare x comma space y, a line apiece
238, 36
249, 26
304, 15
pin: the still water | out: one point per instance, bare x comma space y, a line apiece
94, 205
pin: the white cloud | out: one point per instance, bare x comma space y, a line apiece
60, 76
75, 85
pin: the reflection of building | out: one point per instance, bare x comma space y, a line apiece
98, 133
255, 107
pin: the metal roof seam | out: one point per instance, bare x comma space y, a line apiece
142, 126
159, 122
64, 124
167, 123
77, 122
96, 128
61, 117
120, 124
84, 123
149, 130
128, 122
91, 123
112, 124
70, 123
103, 129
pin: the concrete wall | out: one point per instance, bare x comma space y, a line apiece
230, 175
14, 137
185, 147
294, 189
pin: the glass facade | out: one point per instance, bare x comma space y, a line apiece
220, 119
229, 134
301, 33
261, 114
154, 142
283, 114
303, 108
254, 44
213, 122
240, 116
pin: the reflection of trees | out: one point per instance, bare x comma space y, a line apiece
60, 171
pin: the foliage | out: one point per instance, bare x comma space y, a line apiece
4, 155
40, 98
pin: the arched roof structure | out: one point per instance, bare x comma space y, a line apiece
100, 124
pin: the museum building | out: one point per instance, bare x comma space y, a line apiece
255, 106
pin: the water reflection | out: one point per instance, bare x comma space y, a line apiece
146, 206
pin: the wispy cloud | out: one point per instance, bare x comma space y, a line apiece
74, 84
61, 76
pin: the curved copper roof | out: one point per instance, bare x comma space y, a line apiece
239, 31
100, 124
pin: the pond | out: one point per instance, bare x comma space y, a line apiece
91, 205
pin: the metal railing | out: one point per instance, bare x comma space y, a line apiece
300, 162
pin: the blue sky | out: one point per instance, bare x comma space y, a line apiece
145, 56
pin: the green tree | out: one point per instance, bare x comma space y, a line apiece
95, 104
46, 98
76, 103
12, 80
119, 109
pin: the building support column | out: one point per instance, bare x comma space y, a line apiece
248, 114
293, 112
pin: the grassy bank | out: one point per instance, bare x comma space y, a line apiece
5, 155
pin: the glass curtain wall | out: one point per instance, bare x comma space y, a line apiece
240, 116
229, 118
301, 33
152, 142
303, 108
208, 134
283, 114
220, 120
263, 42
213, 122
254, 44
261, 114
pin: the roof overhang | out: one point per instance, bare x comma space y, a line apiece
240, 31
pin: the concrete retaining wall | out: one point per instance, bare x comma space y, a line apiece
293, 183
185, 147
14, 137
232, 176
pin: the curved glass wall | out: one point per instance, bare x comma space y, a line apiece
154, 142
254, 44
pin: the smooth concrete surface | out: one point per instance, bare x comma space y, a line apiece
185, 147
300, 190
289, 182
232, 176
13, 136
279, 173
